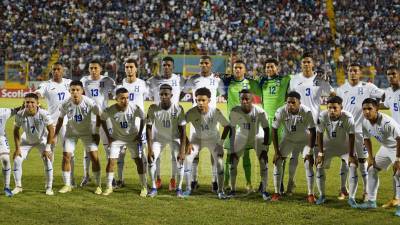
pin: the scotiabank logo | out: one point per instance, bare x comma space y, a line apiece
14, 93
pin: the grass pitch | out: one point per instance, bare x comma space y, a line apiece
125, 206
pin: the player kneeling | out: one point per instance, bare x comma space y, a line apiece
298, 125
387, 132
165, 126
246, 121
337, 141
122, 116
38, 132
78, 109
206, 135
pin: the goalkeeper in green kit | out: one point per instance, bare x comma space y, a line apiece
232, 86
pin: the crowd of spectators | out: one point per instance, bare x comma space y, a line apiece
367, 31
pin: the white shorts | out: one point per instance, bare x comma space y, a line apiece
87, 141
295, 148
159, 145
117, 147
385, 157
243, 143
4, 146
26, 148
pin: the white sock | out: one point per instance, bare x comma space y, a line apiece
373, 183
321, 180
364, 174
187, 173
396, 178
120, 164
18, 171
293, 162
353, 181
48, 168
143, 179
158, 164
174, 168
180, 172
97, 178
264, 173
6, 170
233, 171
309, 177
153, 169
220, 170
214, 170
195, 165
66, 175
344, 169
110, 177
278, 167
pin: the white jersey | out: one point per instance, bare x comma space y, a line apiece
177, 83
295, 125
5, 114
353, 96
311, 90
123, 122
165, 122
214, 84
205, 125
79, 116
98, 90
55, 94
248, 124
34, 127
337, 131
392, 101
138, 91
385, 130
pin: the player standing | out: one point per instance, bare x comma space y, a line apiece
250, 130
353, 92
78, 110
123, 118
38, 131
166, 126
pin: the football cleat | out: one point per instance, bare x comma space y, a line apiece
49, 191
172, 185
343, 195
179, 193
120, 184
143, 192
187, 193
352, 203
311, 199
16, 190
158, 183
266, 196
152, 193
275, 197
108, 191
368, 205
214, 186
321, 200
65, 189
221, 195
98, 191
232, 194
8, 192
391, 203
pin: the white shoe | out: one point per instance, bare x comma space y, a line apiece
65, 189
17, 190
98, 191
49, 191
108, 191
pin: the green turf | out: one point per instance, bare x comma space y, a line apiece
124, 206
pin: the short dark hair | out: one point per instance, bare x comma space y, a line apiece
76, 83
335, 99
355, 64
271, 60
203, 91
58, 63
121, 90
165, 86
168, 58
240, 61
32, 95
205, 57
130, 60
95, 61
392, 67
372, 101
308, 55
245, 91
294, 94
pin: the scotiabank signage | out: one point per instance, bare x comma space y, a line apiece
13, 93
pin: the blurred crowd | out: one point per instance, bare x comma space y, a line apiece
367, 31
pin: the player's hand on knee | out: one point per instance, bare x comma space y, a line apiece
189, 149
181, 156
320, 160
396, 167
310, 159
53, 140
353, 160
371, 161
150, 156
17, 152
46, 154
